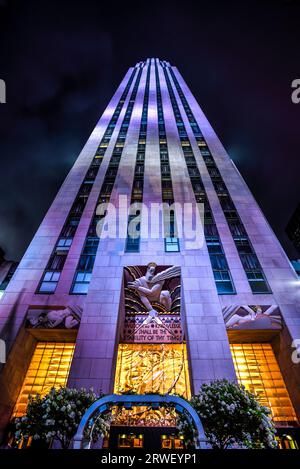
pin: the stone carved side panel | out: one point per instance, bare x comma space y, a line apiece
247, 317
53, 318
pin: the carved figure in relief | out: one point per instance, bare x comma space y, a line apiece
150, 289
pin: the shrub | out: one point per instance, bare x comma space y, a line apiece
231, 416
57, 416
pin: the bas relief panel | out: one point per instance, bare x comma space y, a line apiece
51, 318
252, 317
152, 304
152, 368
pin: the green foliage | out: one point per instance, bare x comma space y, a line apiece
57, 416
231, 417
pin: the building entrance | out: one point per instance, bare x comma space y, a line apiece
146, 438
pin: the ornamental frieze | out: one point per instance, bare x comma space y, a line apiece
51, 318
252, 317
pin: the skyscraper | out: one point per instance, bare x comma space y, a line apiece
114, 293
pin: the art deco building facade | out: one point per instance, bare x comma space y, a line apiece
144, 313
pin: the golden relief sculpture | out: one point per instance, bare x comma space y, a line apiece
142, 416
152, 356
152, 368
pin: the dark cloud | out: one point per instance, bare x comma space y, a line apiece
63, 60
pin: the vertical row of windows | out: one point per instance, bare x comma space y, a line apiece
134, 219
85, 265
218, 260
58, 257
249, 259
171, 240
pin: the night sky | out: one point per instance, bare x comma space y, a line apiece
62, 62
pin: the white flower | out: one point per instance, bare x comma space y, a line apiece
50, 422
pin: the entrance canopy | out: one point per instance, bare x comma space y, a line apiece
103, 404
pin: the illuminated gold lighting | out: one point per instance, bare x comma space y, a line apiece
130, 441
286, 442
144, 416
172, 442
152, 368
257, 369
49, 367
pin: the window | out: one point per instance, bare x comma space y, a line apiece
213, 172
106, 188
91, 174
257, 369
78, 206
167, 196
56, 261
236, 228
64, 244
226, 203
219, 265
172, 244
172, 442
171, 240
257, 282
165, 169
223, 282
218, 261
49, 282
91, 245
139, 169
130, 441
133, 242
243, 246
86, 262
249, 261
214, 246
81, 283
70, 227
210, 229
49, 367
193, 172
